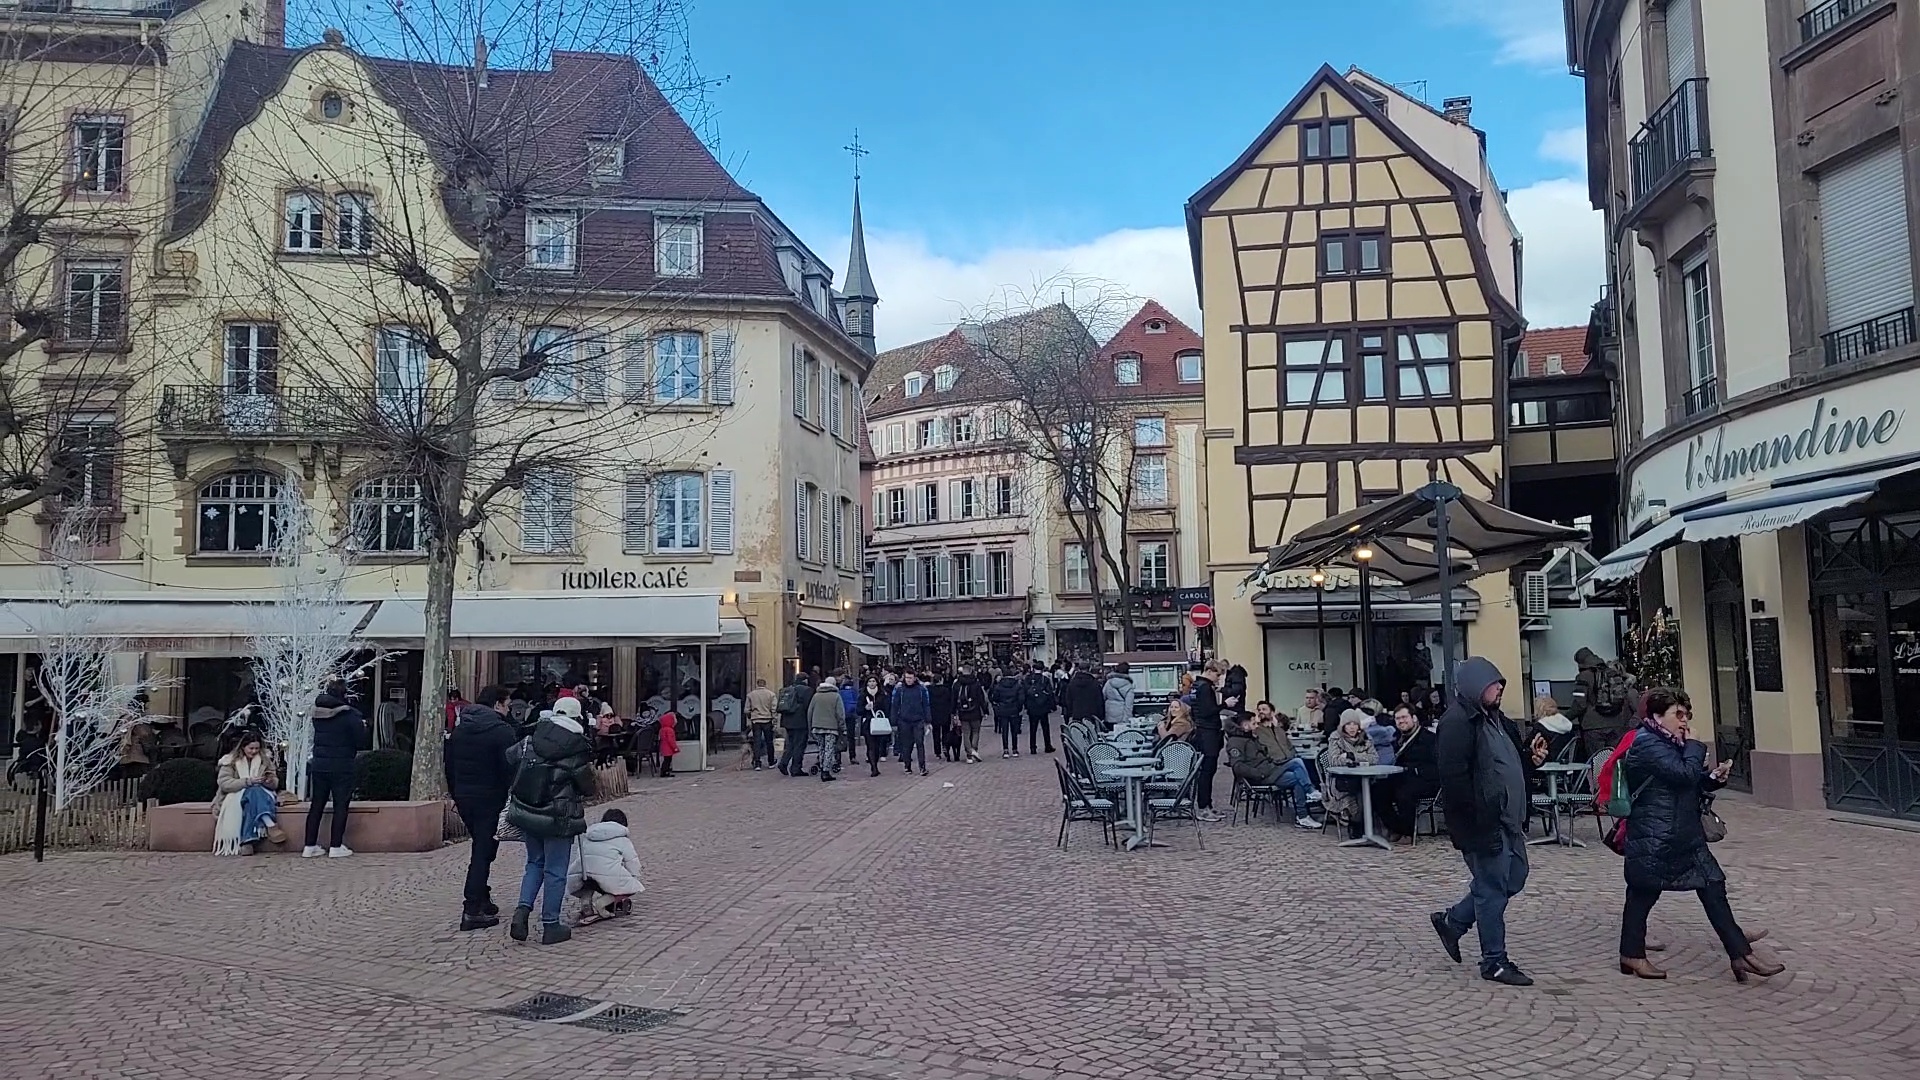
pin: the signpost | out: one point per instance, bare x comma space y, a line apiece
1200, 615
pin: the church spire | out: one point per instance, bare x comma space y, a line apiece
861, 297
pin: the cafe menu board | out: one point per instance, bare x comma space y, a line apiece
1763, 642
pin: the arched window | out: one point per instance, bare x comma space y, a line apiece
306, 221
388, 516
237, 512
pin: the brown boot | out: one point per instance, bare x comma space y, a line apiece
1640, 968
276, 835
1754, 964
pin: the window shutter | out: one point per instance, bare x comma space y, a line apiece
879, 509
634, 377
593, 376
720, 371
506, 353
636, 522
840, 513
910, 585
943, 577
956, 507
562, 515
536, 512
799, 382
1681, 49
880, 582
720, 511
1014, 484
802, 507
832, 383
1863, 215
823, 522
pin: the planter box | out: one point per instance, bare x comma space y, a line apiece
371, 826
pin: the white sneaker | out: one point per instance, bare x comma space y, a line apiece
1307, 823
1313, 796
340, 852
311, 852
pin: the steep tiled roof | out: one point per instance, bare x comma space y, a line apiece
1159, 371
886, 386
1569, 343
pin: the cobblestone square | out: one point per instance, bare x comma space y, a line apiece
927, 929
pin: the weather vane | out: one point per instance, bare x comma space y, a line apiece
854, 148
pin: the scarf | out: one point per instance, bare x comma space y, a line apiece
229, 831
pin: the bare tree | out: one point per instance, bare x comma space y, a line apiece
497, 331
306, 636
93, 705
1075, 429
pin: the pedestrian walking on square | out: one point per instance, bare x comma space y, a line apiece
969, 707
828, 716
1116, 696
478, 776
940, 714
1042, 694
875, 700
850, 702
1085, 696
1483, 791
794, 699
912, 709
547, 802
1666, 849
1209, 736
1008, 698
338, 732
760, 720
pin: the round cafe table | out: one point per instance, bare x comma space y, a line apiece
1553, 771
1367, 775
1135, 777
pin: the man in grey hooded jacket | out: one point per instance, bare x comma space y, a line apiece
1483, 790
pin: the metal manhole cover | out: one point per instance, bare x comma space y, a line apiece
547, 1007
627, 1019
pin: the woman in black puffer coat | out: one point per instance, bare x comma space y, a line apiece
1666, 849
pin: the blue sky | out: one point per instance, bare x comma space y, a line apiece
1015, 140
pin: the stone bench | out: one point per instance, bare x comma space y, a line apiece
371, 826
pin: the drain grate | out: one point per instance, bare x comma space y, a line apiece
547, 1007
628, 1019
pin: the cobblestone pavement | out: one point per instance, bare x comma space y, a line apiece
927, 929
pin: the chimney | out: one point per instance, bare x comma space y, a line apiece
1457, 109
480, 61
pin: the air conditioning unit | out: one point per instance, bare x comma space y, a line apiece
1533, 594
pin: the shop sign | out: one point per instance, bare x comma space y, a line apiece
820, 592
609, 580
1852, 426
1303, 579
1170, 600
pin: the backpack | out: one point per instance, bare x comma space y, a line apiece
1611, 783
1039, 693
1614, 689
786, 703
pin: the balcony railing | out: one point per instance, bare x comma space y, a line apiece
1863, 339
1702, 397
1675, 134
1828, 16
354, 414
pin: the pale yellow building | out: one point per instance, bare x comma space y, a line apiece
702, 534
1357, 278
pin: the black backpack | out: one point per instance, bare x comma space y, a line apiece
1039, 693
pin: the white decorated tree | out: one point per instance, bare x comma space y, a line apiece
93, 707
306, 636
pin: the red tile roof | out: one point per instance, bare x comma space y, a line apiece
1569, 343
1157, 350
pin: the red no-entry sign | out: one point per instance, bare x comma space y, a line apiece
1200, 615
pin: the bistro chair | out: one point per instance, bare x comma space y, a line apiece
1180, 806
1177, 762
1247, 799
1101, 757
1430, 807
1583, 794
1077, 805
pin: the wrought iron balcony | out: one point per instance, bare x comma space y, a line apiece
1702, 397
1675, 134
1863, 339
1829, 16
334, 414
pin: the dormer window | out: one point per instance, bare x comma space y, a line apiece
1555, 365
1156, 327
606, 159
944, 377
1126, 370
916, 384
1190, 369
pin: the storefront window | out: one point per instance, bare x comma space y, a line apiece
539, 674
1853, 665
1903, 633
670, 682
726, 687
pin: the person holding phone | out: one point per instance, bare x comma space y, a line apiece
1666, 848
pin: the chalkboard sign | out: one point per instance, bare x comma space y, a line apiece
1763, 640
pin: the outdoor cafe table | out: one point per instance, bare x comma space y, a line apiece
1367, 774
1135, 777
1553, 771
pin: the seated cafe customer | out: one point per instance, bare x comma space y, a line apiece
1347, 748
1398, 797
1260, 754
1177, 726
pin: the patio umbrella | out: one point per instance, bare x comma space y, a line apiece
1408, 532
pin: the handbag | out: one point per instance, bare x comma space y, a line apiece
879, 725
507, 830
1712, 825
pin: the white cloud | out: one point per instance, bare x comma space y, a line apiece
1566, 146
924, 293
1565, 251
1529, 32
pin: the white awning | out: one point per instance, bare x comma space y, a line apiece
1784, 507
554, 623
163, 627
872, 646
1627, 559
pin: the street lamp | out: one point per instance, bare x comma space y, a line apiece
1364, 556
1319, 580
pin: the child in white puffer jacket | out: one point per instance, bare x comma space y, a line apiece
605, 871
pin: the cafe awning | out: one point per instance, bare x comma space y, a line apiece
554, 623
1785, 506
1627, 559
872, 646
178, 627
